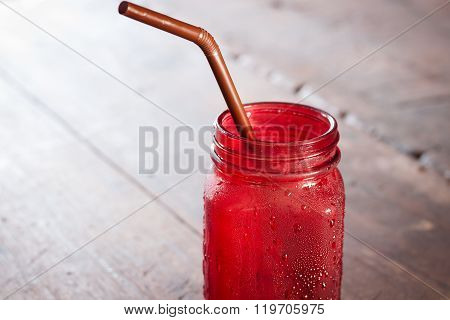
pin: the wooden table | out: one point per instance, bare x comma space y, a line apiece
77, 81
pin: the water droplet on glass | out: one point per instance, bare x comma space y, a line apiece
304, 207
272, 223
297, 227
285, 257
287, 193
324, 285
331, 223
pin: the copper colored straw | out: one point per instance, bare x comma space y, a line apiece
210, 48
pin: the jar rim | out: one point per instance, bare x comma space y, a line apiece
332, 129
301, 157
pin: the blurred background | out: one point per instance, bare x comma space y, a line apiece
77, 80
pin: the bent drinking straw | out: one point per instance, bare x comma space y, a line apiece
209, 47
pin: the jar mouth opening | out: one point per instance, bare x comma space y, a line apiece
328, 125
291, 139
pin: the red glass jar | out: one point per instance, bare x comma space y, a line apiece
274, 208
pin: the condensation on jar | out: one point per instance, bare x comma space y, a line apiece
274, 207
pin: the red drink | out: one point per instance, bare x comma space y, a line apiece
274, 208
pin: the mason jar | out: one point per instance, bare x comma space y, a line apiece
274, 207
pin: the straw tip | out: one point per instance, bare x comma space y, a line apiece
123, 7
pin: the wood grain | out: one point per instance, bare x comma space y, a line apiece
314, 41
396, 210
57, 195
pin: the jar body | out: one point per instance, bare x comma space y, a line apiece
280, 241
274, 211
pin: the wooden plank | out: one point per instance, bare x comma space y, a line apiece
367, 275
56, 195
127, 262
313, 41
111, 119
397, 208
